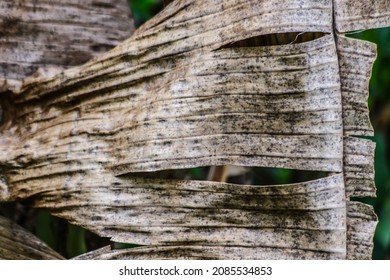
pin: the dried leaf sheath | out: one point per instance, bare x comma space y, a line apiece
353, 15
178, 95
210, 213
58, 33
19, 244
204, 253
361, 224
355, 59
129, 122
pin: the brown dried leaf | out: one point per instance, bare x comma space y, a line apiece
18, 244
182, 93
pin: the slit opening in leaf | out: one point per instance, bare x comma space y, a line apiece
239, 175
367, 137
120, 246
277, 39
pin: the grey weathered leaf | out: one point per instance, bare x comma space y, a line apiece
183, 92
207, 252
58, 33
359, 167
210, 213
353, 15
361, 223
356, 58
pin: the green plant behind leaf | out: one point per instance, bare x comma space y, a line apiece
144, 9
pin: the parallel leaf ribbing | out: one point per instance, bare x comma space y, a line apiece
179, 94
19, 244
57, 33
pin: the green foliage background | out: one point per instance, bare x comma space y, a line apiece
70, 240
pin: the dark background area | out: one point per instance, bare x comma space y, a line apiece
70, 240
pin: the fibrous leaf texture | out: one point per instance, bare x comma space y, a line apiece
179, 94
19, 244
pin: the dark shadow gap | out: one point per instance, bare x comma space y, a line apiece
372, 138
288, 38
235, 174
167, 2
120, 246
7, 110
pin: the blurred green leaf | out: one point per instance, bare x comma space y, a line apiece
45, 229
75, 242
196, 173
119, 246
282, 176
383, 229
144, 9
